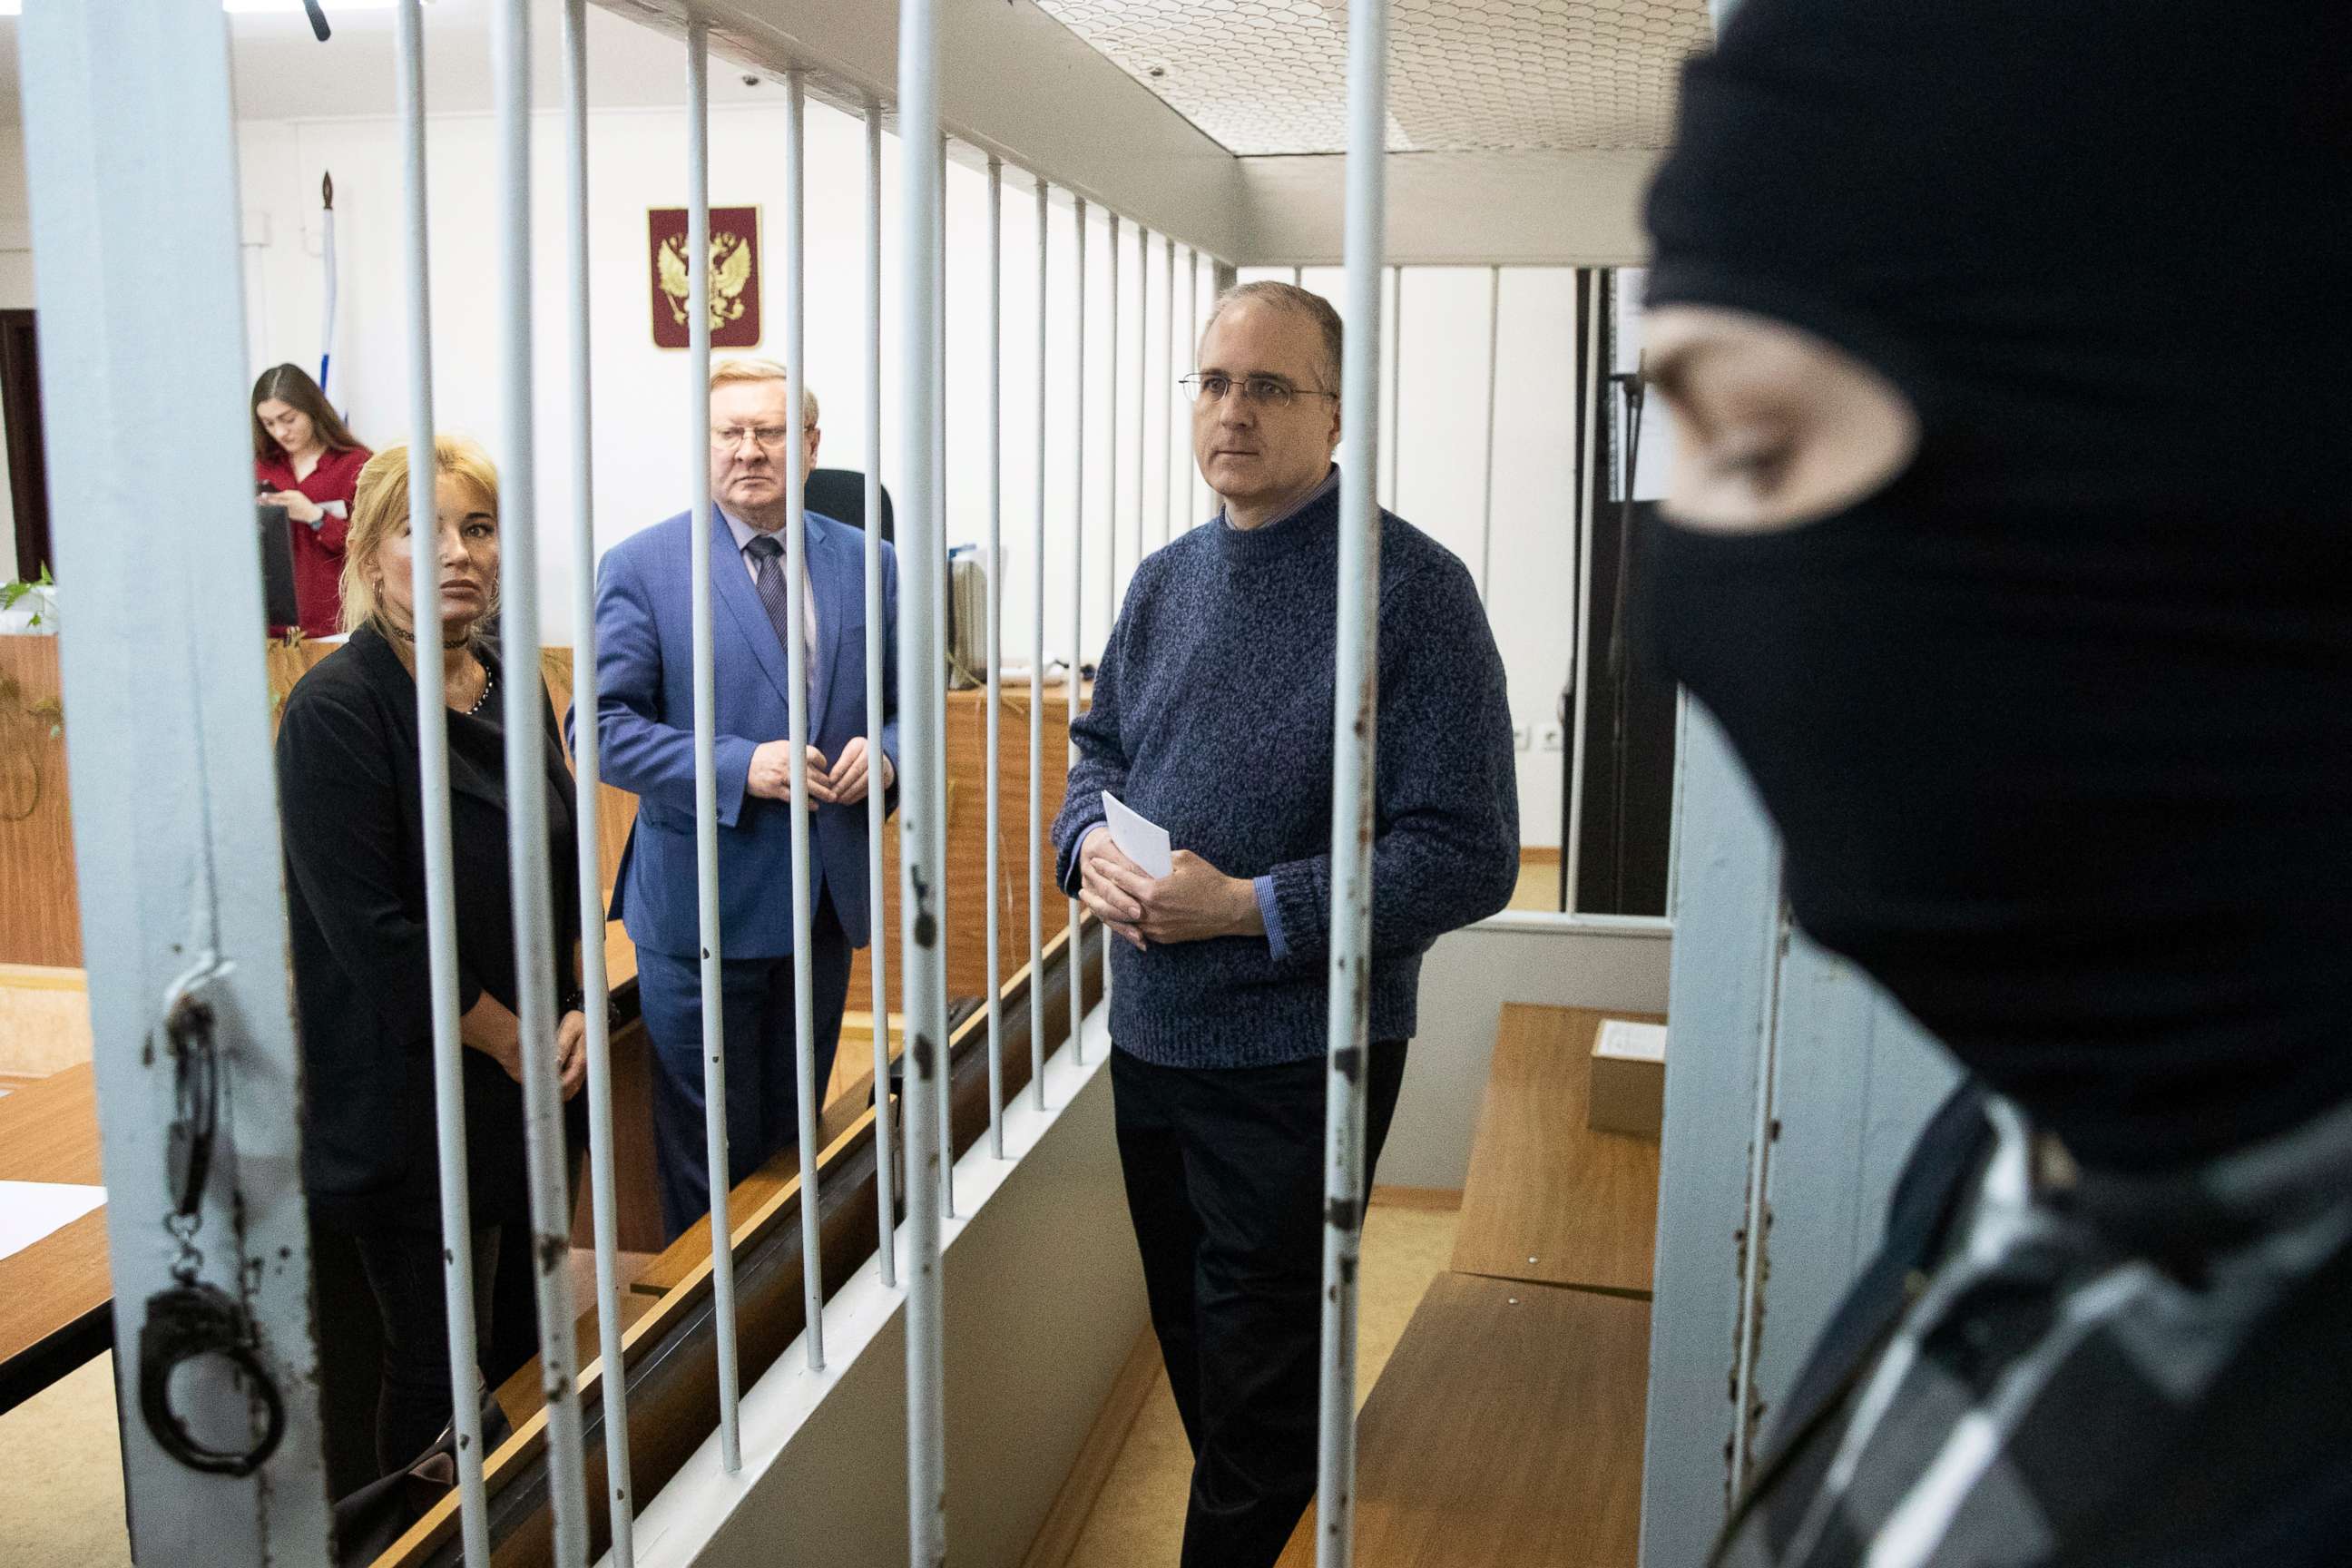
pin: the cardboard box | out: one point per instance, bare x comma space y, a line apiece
1629, 1077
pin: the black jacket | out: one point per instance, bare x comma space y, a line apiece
352, 808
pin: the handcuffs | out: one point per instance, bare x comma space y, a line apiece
192, 1319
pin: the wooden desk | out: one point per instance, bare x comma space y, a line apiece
1548, 1198
1505, 1432
54, 1295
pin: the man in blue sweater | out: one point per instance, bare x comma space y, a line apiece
1213, 716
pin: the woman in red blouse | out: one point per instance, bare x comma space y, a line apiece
306, 460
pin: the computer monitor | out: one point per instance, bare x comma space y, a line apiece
277, 567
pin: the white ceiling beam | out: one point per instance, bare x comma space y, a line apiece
1529, 209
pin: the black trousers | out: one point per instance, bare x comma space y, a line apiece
384, 1335
757, 1020
1224, 1182
405, 1275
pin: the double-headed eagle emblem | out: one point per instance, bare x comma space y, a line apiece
731, 269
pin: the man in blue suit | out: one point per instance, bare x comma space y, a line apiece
645, 669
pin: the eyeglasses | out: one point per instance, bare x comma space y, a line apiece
771, 436
1265, 390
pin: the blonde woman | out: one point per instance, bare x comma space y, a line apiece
347, 780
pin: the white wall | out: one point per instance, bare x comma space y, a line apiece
1465, 981
15, 294
637, 159
1535, 206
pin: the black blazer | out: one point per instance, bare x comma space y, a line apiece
353, 811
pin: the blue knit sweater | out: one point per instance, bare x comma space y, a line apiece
1213, 716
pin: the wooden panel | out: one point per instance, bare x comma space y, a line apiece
967, 838
615, 809
636, 1175
1506, 1431
40, 913
966, 845
57, 1289
1548, 1198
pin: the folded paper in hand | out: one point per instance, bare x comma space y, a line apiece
1140, 840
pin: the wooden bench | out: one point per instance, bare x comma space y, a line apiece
1507, 1430
1548, 1199
1507, 1427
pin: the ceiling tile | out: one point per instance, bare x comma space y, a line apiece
1266, 77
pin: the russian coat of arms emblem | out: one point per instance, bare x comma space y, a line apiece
734, 277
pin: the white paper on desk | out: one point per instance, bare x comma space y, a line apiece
32, 1210
1141, 840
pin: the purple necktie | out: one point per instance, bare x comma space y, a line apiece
766, 552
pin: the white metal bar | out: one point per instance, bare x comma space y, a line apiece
921, 830
940, 624
996, 879
432, 783
1077, 588
1493, 347
1674, 816
1142, 396
1195, 488
1038, 859
1171, 436
1393, 347
706, 771
129, 137
1356, 709
527, 857
1110, 420
797, 716
614, 1386
886, 1180
1110, 530
1589, 297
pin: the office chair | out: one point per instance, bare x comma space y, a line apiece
840, 494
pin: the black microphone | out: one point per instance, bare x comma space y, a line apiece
318, 20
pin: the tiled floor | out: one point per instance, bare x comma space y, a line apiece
1538, 886
65, 1509
1139, 1520
65, 1439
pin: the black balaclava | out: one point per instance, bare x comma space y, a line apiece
2057, 725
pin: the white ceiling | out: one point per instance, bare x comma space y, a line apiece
1257, 77
1526, 126
1263, 77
